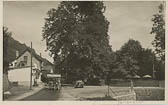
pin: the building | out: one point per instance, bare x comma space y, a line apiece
20, 68
24, 60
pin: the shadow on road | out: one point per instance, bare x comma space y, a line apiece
44, 95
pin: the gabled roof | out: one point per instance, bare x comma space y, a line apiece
29, 50
45, 61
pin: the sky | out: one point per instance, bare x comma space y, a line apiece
128, 20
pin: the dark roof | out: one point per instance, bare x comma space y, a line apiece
34, 54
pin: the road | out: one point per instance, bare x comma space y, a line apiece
43, 95
68, 93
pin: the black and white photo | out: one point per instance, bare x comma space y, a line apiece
84, 50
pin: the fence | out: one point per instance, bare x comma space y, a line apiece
124, 93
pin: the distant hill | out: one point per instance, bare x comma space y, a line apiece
14, 45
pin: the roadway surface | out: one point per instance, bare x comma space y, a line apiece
68, 93
43, 95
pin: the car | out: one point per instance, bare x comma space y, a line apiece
53, 81
79, 84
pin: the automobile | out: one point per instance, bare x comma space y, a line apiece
79, 84
53, 81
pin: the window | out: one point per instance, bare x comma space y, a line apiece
25, 59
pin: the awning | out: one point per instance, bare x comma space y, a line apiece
53, 75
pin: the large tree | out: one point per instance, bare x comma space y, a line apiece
6, 35
158, 30
127, 59
146, 62
76, 35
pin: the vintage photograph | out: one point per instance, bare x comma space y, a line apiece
84, 50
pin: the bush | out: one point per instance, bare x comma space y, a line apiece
146, 83
93, 81
136, 82
120, 82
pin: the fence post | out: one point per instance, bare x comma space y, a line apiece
108, 94
31, 69
132, 85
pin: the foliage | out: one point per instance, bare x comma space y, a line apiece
10, 46
150, 64
76, 35
158, 30
127, 59
133, 60
6, 35
160, 70
146, 62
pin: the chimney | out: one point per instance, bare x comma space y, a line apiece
17, 53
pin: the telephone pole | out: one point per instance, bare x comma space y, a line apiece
31, 69
153, 67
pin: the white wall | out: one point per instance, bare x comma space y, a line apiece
19, 74
22, 76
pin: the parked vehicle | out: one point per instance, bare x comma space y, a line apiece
53, 81
79, 84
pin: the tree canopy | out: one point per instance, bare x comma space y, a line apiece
158, 30
6, 35
127, 58
76, 35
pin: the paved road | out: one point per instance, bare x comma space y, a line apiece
68, 93
43, 95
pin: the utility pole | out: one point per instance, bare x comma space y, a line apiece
153, 66
31, 69
108, 83
66, 71
41, 62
